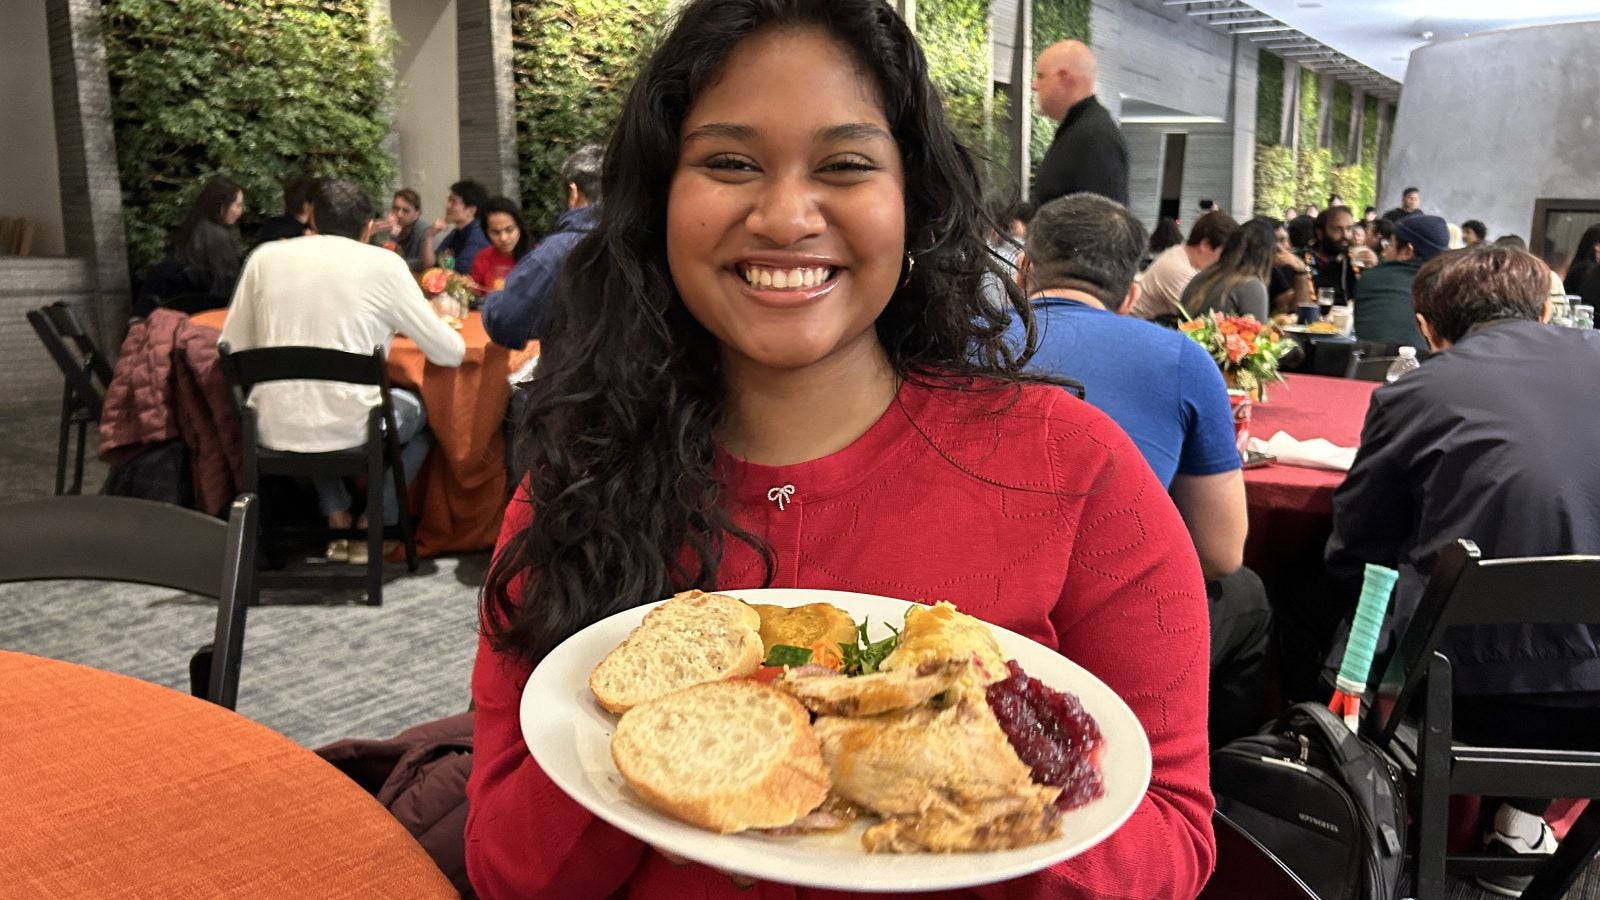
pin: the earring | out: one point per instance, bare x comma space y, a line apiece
911, 264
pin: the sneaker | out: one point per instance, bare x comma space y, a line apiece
1496, 843
358, 553
338, 551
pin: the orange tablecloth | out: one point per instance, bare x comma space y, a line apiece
115, 786
460, 493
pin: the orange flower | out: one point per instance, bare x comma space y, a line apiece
434, 280
1238, 348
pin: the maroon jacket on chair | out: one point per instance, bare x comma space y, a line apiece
168, 384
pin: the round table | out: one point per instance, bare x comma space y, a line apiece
112, 785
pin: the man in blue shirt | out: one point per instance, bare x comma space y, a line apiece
460, 213
1078, 269
519, 312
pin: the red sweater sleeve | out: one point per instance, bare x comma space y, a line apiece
525, 837
1134, 612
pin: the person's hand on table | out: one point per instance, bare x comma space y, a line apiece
739, 881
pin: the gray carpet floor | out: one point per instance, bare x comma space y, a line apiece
317, 666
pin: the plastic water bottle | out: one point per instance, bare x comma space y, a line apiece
1405, 362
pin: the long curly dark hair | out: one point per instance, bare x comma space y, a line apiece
617, 433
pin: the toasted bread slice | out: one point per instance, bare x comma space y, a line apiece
693, 637
725, 756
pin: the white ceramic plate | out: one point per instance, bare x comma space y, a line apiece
570, 737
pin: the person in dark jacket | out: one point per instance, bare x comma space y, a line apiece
1088, 154
1383, 295
1480, 444
517, 313
206, 245
296, 213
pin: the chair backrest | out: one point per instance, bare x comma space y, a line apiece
69, 327
142, 542
1368, 368
247, 368
81, 388
1465, 589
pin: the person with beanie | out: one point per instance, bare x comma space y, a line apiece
1383, 311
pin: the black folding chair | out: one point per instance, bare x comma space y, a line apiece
246, 369
1467, 590
87, 373
145, 542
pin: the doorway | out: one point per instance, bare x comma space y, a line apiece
1173, 146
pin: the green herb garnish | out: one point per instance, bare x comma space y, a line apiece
864, 656
785, 655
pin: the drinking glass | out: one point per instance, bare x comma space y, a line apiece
1324, 300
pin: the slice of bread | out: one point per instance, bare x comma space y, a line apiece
726, 756
693, 637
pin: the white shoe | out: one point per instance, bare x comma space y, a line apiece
1497, 843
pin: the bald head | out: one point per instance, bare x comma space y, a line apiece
1063, 76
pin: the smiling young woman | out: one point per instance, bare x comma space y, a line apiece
772, 365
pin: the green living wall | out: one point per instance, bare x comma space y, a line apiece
574, 61
954, 35
260, 92
1053, 20
1308, 173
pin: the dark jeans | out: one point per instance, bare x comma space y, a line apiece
1545, 721
1241, 631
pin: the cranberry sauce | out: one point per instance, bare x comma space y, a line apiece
1052, 733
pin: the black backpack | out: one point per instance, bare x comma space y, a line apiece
1330, 805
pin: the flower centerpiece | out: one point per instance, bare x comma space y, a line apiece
450, 293
1247, 351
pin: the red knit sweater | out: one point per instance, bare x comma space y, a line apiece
1044, 520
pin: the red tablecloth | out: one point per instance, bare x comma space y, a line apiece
460, 493
1308, 406
1291, 516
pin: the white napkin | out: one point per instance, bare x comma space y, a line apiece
1317, 453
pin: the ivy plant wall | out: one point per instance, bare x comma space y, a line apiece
955, 37
258, 92
1309, 171
574, 61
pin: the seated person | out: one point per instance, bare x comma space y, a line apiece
1383, 296
1236, 284
1168, 394
517, 313
1479, 443
401, 231
296, 213
203, 262
508, 242
459, 248
1170, 272
333, 289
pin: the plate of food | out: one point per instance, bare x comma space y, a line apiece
835, 740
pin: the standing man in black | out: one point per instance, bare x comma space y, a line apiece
1088, 153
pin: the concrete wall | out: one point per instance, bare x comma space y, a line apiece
1489, 123
427, 111
1156, 54
32, 381
30, 182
